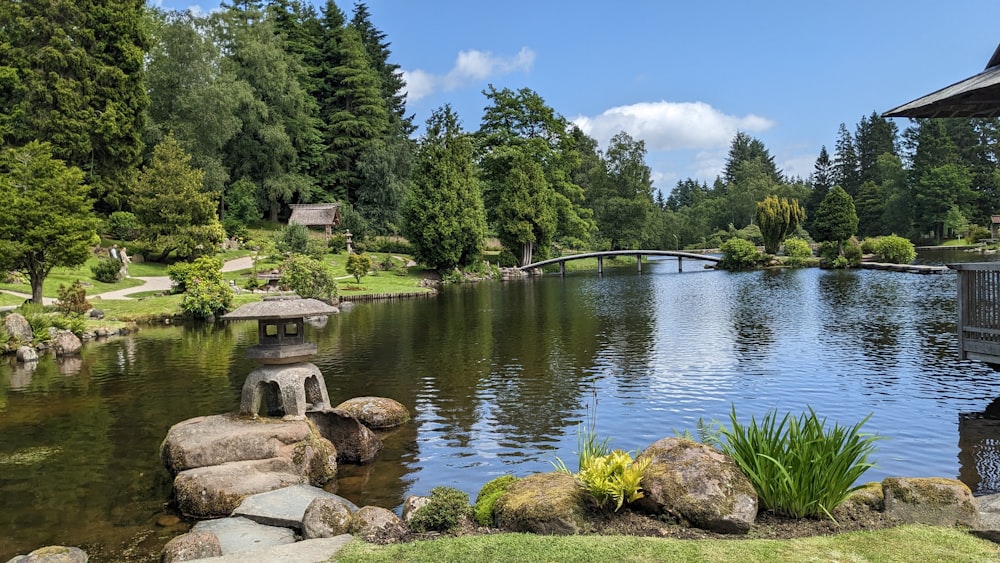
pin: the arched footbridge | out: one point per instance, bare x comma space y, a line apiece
680, 255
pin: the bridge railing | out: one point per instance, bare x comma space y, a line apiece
978, 311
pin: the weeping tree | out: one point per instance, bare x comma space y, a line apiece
778, 218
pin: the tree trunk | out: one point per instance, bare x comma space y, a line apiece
36, 287
274, 212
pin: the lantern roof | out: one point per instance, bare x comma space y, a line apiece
289, 307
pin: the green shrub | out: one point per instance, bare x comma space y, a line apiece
506, 258
482, 511
206, 269
868, 245
235, 228
107, 270
798, 467
852, 252
205, 298
39, 319
72, 299
613, 478
797, 248
309, 278
976, 234
293, 238
392, 245
123, 225
337, 244
446, 508
739, 254
750, 232
358, 265
894, 250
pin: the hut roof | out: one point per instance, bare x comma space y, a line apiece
315, 214
976, 96
280, 308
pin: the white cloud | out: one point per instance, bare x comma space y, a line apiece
470, 67
671, 125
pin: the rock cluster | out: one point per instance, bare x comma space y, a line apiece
62, 342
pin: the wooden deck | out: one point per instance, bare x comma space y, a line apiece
979, 311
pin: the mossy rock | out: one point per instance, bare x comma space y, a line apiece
935, 501
698, 486
377, 413
543, 503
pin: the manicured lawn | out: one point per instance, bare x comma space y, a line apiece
902, 544
66, 276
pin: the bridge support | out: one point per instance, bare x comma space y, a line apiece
638, 263
680, 263
562, 269
600, 265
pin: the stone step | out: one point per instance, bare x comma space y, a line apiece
308, 551
284, 507
240, 535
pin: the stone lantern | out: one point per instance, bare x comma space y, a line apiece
286, 384
348, 239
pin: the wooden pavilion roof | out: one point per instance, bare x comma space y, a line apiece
976, 96
324, 214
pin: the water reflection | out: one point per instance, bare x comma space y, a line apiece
498, 376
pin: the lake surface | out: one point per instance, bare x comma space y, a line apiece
498, 377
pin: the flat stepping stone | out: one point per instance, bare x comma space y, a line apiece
285, 506
318, 550
239, 535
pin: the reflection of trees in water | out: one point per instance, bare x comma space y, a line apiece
757, 297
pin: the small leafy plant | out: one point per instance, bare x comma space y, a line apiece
446, 508
798, 466
613, 478
72, 299
739, 254
894, 250
107, 270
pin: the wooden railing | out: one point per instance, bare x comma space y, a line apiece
979, 311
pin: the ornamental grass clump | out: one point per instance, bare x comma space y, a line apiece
799, 467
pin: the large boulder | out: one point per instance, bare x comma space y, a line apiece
326, 518
65, 343
216, 490
374, 524
377, 413
935, 501
698, 485
18, 328
218, 439
53, 554
543, 503
190, 546
355, 442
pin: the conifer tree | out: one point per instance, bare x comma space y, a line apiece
393, 86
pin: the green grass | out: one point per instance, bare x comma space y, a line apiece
902, 544
7, 300
66, 276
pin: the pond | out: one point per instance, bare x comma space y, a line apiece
498, 377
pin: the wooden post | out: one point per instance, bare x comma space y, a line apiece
680, 263
562, 268
600, 265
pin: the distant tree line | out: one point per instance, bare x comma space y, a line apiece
199, 125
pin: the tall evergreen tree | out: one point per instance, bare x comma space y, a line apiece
356, 119
875, 136
72, 75
391, 79
444, 216
279, 136
836, 218
845, 162
821, 180
744, 148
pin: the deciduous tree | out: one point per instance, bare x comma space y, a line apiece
778, 218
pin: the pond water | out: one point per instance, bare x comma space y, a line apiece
498, 377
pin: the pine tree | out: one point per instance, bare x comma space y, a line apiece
745, 148
836, 218
391, 79
822, 179
74, 78
875, 136
845, 162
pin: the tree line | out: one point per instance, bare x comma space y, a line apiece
199, 125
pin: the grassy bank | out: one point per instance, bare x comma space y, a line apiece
903, 544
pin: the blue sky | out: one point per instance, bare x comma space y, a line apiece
685, 76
